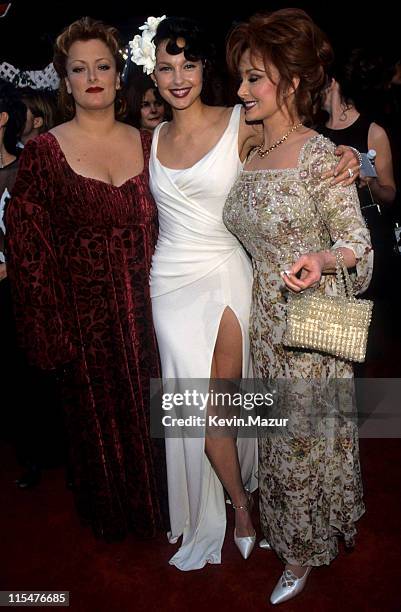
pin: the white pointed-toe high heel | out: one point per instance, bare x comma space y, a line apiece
245, 544
288, 586
264, 544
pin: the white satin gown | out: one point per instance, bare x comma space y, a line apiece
199, 269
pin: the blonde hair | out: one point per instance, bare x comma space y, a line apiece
85, 28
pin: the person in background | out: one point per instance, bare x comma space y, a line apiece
38, 431
346, 124
146, 108
41, 112
28, 397
342, 99
12, 120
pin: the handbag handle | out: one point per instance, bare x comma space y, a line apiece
341, 274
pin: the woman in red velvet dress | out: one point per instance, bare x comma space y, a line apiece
81, 231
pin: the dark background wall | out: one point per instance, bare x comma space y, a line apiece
30, 27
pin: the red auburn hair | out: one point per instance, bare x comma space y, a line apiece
289, 40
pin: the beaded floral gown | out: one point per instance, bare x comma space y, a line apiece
309, 480
79, 253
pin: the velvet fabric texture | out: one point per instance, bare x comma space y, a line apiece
79, 253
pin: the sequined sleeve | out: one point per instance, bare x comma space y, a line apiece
339, 209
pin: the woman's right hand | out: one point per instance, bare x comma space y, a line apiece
305, 272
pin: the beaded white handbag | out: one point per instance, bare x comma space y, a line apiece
337, 325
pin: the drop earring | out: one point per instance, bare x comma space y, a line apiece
345, 108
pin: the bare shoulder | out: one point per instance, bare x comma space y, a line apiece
250, 134
127, 138
218, 116
63, 129
127, 131
377, 134
221, 111
310, 139
307, 139
303, 134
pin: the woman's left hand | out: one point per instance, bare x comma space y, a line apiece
347, 170
308, 268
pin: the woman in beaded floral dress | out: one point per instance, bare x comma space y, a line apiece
291, 221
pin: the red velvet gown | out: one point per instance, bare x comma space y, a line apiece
79, 253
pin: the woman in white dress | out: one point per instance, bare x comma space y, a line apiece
201, 283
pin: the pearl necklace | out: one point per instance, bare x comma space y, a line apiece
263, 152
1, 159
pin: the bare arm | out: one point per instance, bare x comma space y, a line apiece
250, 136
383, 187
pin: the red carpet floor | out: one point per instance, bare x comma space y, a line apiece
43, 546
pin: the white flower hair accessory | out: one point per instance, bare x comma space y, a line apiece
143, 49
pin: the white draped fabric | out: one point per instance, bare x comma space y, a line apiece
199, 269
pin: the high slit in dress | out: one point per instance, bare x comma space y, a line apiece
199, 269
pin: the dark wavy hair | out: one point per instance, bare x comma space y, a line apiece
297, 48
198, 47
11, 103
363, 75
85, 28
136, 88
